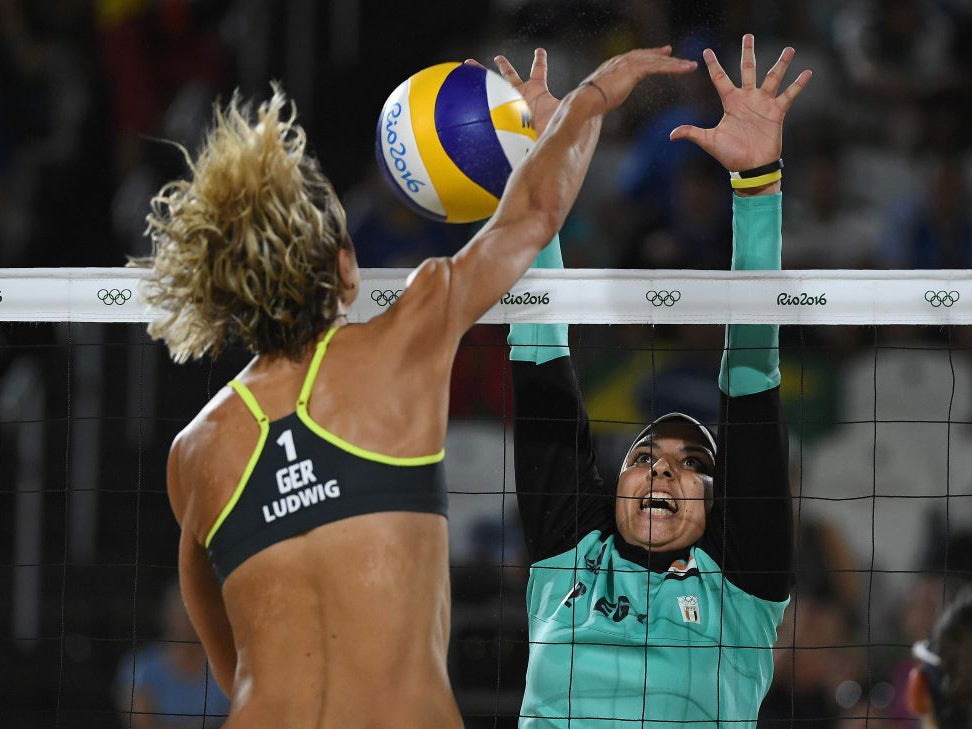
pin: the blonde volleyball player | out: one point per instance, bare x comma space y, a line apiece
657, 605
313, 558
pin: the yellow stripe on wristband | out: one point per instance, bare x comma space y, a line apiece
744, 182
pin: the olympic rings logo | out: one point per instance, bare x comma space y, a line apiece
114, 296
941, 298
663, 298
386, 297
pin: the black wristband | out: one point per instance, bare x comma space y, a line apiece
760, 171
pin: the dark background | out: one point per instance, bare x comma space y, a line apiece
877, 175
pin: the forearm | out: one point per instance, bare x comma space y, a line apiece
539, 343
752, 527
204, 603
538, 196
546, 183
559, 491
751, 360
751, 523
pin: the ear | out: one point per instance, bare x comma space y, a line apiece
348, 274
919, 700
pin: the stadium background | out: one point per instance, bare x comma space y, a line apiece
877, 175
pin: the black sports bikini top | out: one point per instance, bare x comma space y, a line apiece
308, 476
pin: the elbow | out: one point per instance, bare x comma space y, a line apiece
534, 196
224, 672
546, 210
548, 223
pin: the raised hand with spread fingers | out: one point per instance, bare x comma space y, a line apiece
750, 133
613, 79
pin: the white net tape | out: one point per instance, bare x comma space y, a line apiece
577, 296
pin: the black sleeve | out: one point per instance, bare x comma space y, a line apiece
559, 492
749, 531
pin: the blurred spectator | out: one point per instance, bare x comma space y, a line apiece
480, 376
684, 381
387, 234
659, 178
494, 555
944, 569
164, 65
887, 464
150, 51
809, 668
691, 232
933, 230
168, 685
810, 682
827, 569
865, 715
897, 55
897, 50
47, 160
825, 227
940, 686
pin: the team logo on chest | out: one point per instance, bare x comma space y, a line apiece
681, 569
689, 607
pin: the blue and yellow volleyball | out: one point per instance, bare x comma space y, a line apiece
448, 139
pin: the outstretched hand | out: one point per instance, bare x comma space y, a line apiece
750, 133
534, 90
614, 79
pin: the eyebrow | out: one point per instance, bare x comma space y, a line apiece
648, 442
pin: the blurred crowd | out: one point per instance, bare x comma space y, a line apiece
878, 156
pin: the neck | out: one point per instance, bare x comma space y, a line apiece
656, 561
343, 307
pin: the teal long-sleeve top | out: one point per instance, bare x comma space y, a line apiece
622, 637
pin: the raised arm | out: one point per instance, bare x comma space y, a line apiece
749, 530
559, 491
543, 188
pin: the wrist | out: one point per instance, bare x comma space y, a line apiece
764, 179
589, 98
773, 188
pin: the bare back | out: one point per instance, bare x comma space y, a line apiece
346, 624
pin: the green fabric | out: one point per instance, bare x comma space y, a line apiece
614, 645
751, 359
539, 343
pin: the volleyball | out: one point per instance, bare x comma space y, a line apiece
448, 138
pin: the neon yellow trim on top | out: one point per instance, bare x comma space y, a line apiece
334, 440
315, 366
249, 400
244, 392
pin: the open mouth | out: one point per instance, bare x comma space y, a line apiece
659, 503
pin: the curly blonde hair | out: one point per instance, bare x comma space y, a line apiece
246, 249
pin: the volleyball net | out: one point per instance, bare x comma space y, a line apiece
575, 296
877, 392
